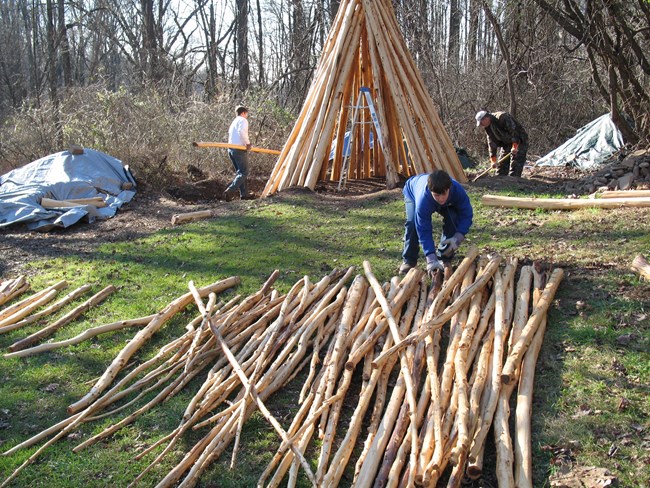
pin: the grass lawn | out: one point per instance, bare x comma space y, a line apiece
592, 403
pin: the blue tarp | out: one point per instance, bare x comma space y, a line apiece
63, 176
591, 146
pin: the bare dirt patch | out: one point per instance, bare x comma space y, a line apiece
151, 211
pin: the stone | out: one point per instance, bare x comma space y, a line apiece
625, 182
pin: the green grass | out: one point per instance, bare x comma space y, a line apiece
591, 388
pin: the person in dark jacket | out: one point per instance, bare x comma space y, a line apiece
503, 131
425, 195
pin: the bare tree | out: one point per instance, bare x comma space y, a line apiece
616, 35
505, 52
243, 68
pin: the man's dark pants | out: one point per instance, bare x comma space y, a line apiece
239, 160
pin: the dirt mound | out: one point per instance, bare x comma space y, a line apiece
208, 190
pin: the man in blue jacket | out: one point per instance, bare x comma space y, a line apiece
423, 195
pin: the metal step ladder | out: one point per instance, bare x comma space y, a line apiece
364, 101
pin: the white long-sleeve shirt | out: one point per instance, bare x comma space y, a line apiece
238, 131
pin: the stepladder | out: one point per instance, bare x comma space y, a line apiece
364, 103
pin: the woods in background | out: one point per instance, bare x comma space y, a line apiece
555, 68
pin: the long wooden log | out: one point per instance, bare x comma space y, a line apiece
503, 441
191, 216
260, 404
563, 203
7, 323
523, 449
144, 335
486, 415
539, 312
13, 309
395, 453
66, 319
84, 336
51, 203
49, 310
641, 266
225, 145
404, 359
438, 321
625, 194
355, 295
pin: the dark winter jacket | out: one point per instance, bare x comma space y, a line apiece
503, 131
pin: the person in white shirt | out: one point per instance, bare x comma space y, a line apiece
238, 134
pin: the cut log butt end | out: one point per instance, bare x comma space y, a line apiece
641, 266
191, 216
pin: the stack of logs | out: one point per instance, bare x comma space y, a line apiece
378, 348
12, 288
365, 49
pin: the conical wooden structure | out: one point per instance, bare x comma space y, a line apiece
365, 49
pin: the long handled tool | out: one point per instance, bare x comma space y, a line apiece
235, 146
491, 167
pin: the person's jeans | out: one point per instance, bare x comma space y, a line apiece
239, 160
411, 239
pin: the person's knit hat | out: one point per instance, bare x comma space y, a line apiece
479, 116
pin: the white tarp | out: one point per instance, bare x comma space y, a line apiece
592, 144
63, 176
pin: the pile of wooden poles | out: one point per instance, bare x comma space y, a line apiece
35, 308
12, 288
423, 395
365, 49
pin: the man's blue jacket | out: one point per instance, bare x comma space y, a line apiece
457, 207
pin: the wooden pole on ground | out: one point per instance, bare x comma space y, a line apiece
66, 319
191, 216
563, 203
625, 194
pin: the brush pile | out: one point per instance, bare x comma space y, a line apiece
379, 374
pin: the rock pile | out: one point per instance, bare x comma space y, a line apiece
631, 172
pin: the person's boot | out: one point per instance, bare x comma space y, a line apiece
405, 267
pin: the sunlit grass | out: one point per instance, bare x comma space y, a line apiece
593, 372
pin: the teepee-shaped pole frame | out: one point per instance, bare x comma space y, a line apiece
365, 48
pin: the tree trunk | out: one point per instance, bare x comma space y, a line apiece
261, 72
65, 45
149, 46
505, 52
454, 32
242, 46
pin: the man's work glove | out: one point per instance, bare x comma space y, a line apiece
450, 245
493, 160
515, 148
434, 265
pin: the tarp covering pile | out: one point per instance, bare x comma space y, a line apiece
590, 147
64, 176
